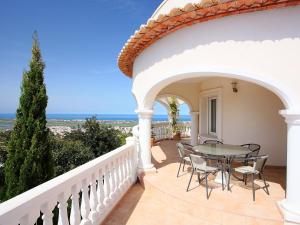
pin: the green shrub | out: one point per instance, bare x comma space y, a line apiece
68, 154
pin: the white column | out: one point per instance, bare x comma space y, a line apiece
290, 206
144, 154
194, 127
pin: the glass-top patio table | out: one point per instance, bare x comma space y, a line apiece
225, 151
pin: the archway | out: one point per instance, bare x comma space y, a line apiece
290, 113
162, 124
278, 89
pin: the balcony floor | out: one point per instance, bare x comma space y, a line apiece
162, 198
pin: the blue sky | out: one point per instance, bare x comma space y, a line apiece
80, 41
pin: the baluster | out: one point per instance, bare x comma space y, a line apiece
134, 164
62, 210
122, 170
100, 193
158, 130
75, 211
167, 132
85, 206
121, 173
158, 133
117, 170
47, 214
107, 186
27, 219
130, 166
112, 179
93, 201
126, 168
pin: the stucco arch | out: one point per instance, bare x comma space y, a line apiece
150, 95
185, 100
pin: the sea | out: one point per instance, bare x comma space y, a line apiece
111, 117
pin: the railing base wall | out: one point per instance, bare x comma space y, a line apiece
112, 207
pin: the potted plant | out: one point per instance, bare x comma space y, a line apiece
152, 139
174, 112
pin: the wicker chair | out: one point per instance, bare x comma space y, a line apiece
212, 142
254, 148
184, 157
257, 168
199, 165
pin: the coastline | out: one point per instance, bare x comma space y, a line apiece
73, 121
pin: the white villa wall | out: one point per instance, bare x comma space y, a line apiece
251, 116
260, 46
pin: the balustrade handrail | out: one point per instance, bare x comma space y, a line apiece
117, 163
163, 130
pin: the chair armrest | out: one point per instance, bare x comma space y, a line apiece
189, 151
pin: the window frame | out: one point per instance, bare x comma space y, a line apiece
204, 113
209, 117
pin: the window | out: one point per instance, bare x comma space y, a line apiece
212, 115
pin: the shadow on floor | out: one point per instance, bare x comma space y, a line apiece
121, 214
167, 151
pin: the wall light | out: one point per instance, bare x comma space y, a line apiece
234, 86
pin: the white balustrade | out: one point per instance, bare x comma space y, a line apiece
47, 214
93, 201
85, 206
121, 173
62, 212
163, 130
100, 194
100, 183
75, 216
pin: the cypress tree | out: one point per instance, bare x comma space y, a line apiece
29, 161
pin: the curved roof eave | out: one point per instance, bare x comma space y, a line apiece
190, 14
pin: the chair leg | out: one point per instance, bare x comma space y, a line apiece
228, 182
183, 165
253, 188
206, 184
179, 168
199, 180
222, 180
187, 189
266, 185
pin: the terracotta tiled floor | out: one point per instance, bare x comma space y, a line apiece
163, 200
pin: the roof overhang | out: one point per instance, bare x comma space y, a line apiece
182, 17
